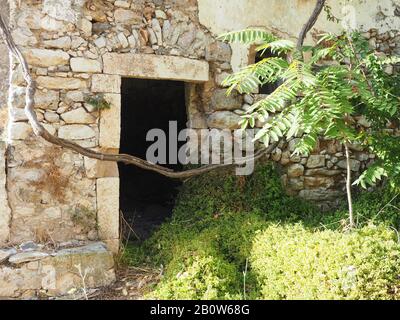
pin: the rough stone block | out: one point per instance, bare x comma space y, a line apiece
78, 116
46, 58
110, 123
5, 213
224, 120
76, 132
295, 170
105, 83
108, 208
57, 272
100, 169
61, 83
156, 67
85, 65
221, 101
316, 161
19, 130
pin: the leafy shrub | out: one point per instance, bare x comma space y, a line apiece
292, 262
198, 274
218, 216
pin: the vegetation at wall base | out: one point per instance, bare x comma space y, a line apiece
242, 238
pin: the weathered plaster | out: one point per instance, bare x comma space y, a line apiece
286, 18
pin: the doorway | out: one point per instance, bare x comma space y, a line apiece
147, 198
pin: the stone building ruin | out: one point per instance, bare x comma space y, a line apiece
106, 48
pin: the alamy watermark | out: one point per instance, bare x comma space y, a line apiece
202, 146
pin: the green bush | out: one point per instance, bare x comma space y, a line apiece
204, 246
292, 262
197, 275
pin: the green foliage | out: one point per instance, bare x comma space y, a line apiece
98, 102
205, 245
319, 98
198, 272
248, 36
292, 262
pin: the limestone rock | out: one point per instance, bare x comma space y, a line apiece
322, 172
319, 182
320, 194
106, 83
157, 30
5, 254
122, 4
76, 132
48, 23
316, 161
295, 170
85, 26
220, 101
156, 67
218, 51
61, 10
128, 17
17, 97
276, 155
74, 96
5, 212
29, 246
61, 83
110, 123
19, 130
108, 208
100, 169
354, 165
100, 42
46, 58
24, 37
24, 257
29, 19
47, 100
17, 114
78, 116
51, 116
60, 43
123, 40
224, 120
85, 65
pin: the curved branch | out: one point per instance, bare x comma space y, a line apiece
40, 131
310, 23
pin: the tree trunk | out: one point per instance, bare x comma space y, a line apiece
310, 23
348, 187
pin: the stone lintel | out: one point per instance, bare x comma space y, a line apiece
156, 67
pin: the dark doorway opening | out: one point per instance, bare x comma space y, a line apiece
147, 198
266, 88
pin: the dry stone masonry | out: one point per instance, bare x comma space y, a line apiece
78, 50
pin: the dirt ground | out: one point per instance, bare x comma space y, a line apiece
132, 284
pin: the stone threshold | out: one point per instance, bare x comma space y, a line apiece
33, 271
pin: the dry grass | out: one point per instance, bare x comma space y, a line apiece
53, 182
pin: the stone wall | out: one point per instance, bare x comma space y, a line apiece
33, 270
81, 49
4, 68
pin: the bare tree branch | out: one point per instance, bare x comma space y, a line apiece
40, 131
310, 23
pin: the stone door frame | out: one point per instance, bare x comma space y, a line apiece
115, 67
